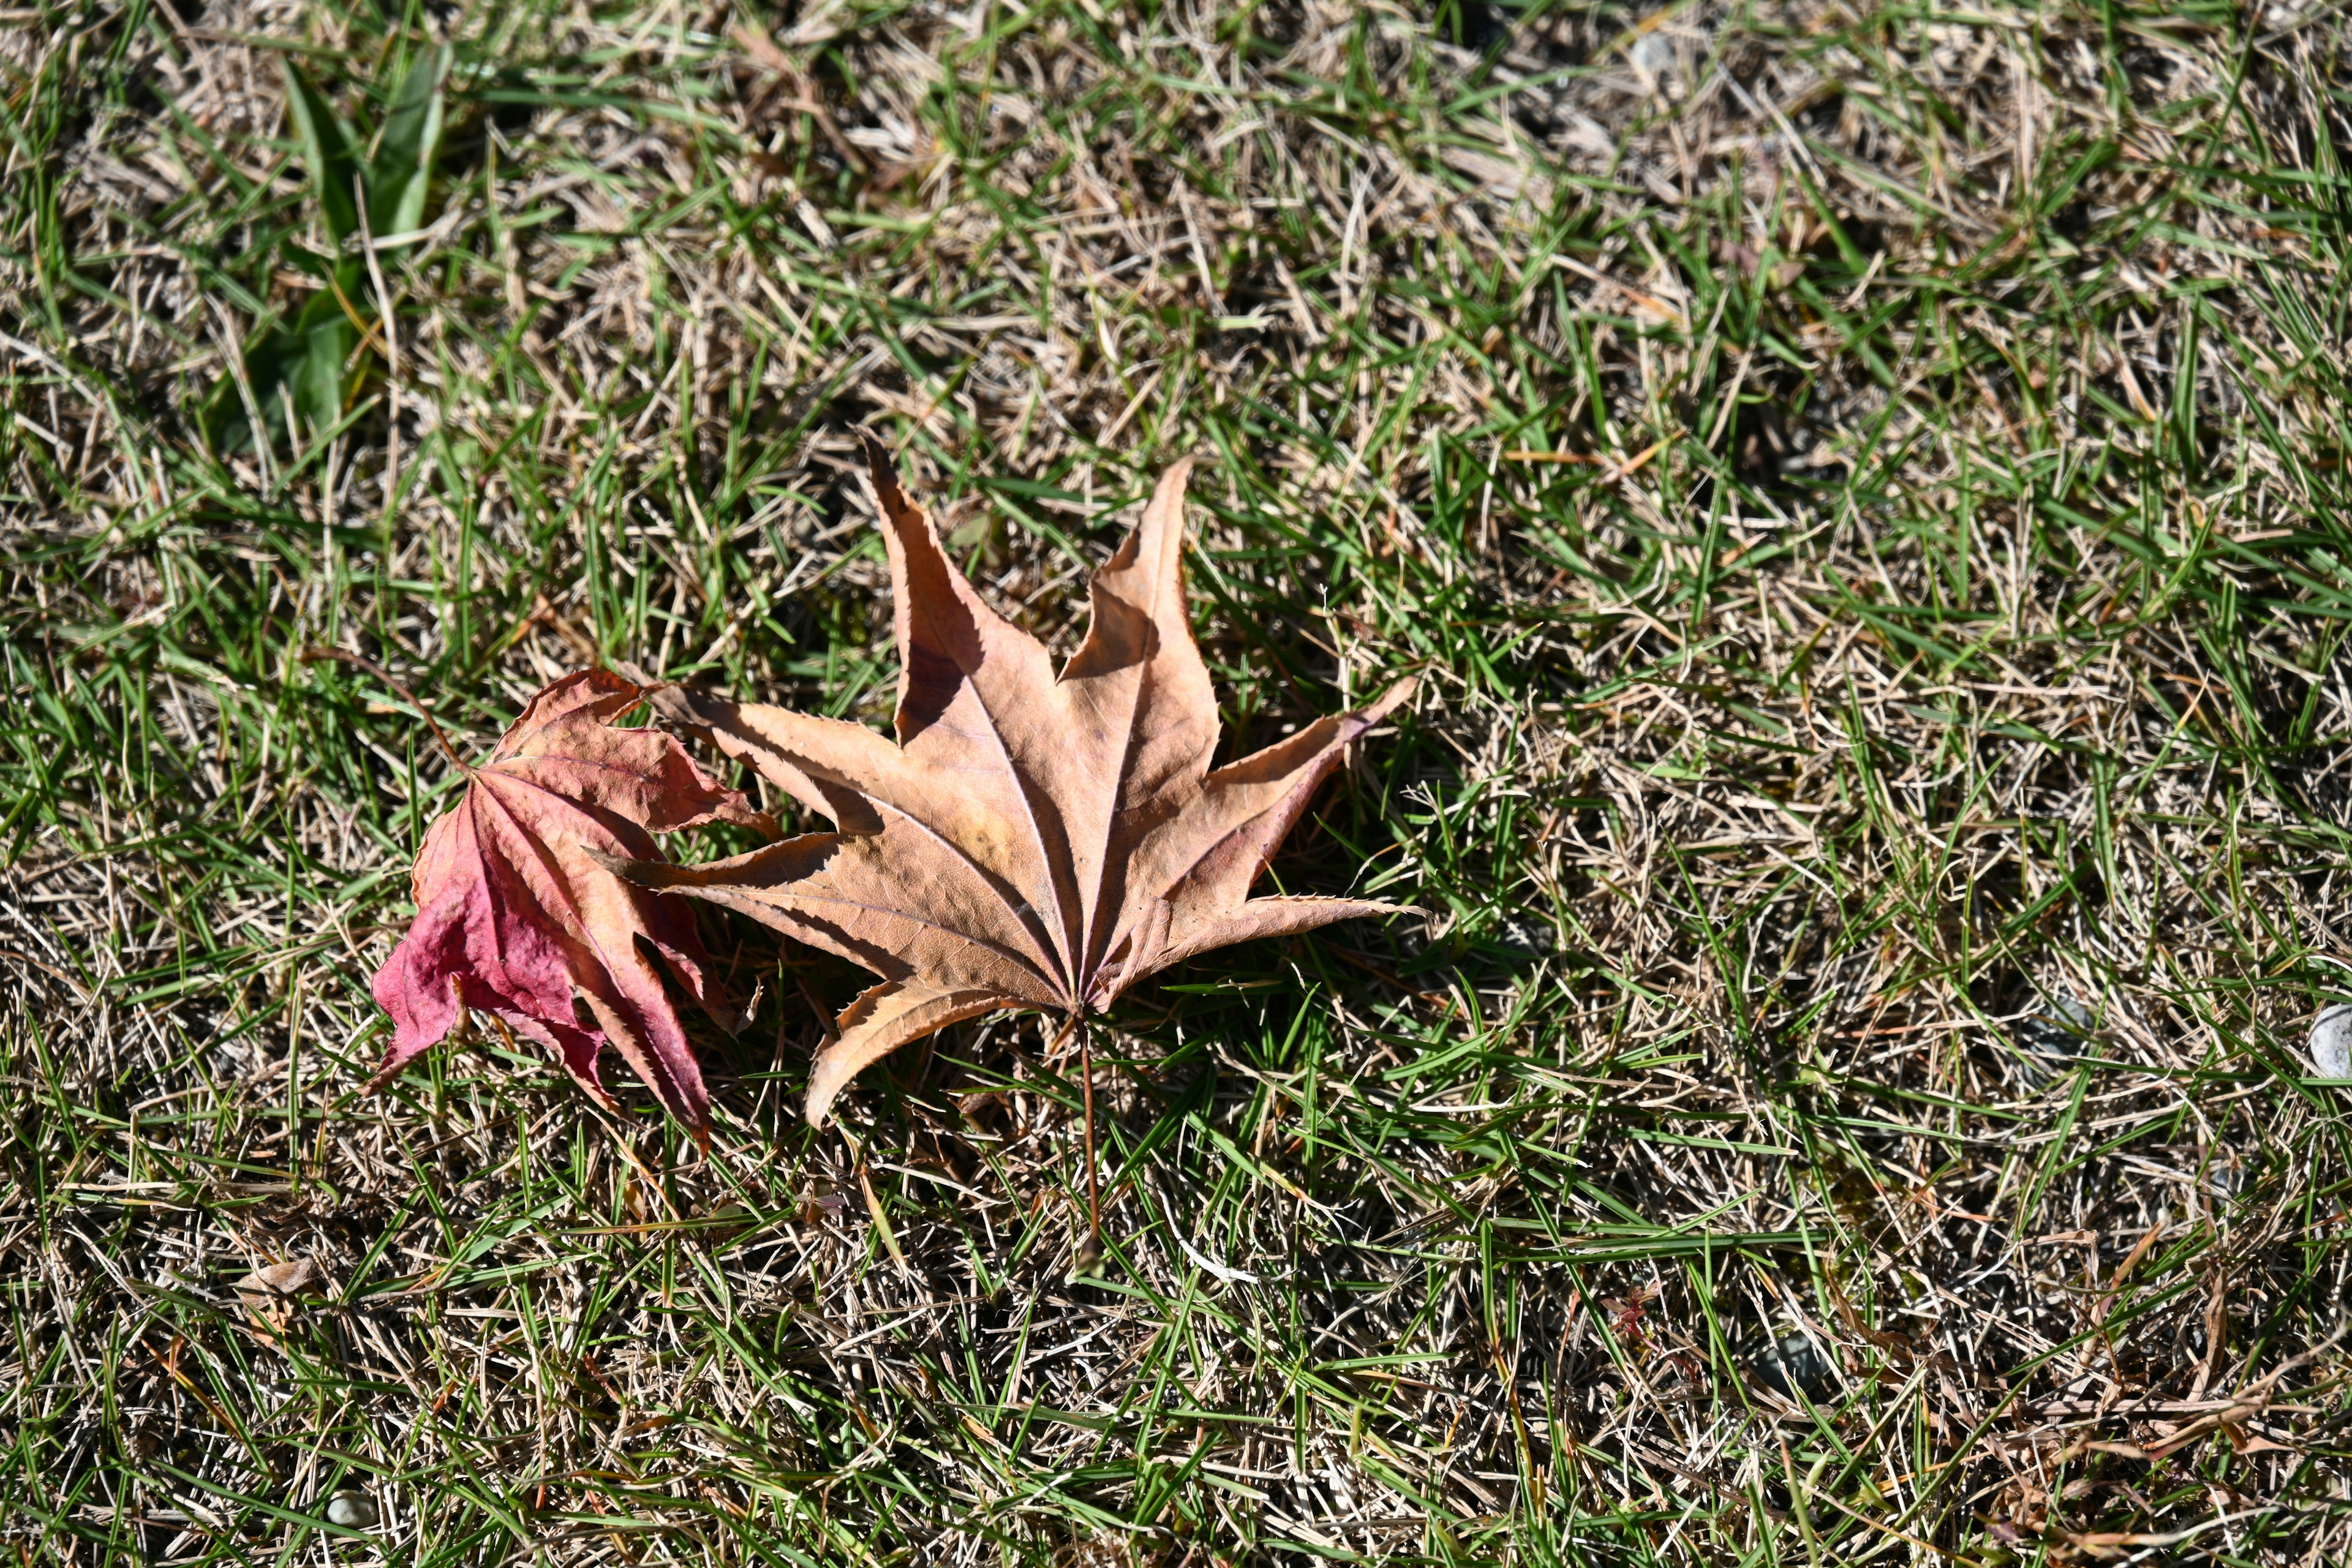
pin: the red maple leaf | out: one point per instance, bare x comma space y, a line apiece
515, 918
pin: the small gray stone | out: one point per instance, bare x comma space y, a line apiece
1524, 938
2057, 1031
1793, 1362
2331, 1041
352, 1510
1654, 55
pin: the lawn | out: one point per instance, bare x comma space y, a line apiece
1861, 487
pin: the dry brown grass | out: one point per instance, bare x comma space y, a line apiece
1861, 485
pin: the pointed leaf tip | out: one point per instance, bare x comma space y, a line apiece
881, 1020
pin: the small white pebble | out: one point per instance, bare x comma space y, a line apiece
1654, 56
2331, 1041
352, 1510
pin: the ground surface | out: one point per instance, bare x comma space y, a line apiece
1862, 485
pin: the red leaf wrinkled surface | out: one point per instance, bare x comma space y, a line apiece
516, 918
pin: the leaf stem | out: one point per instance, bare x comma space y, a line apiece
1086, 1085
1072, 1024
314, 655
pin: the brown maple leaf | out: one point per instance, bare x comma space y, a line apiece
271, 1293
516, 915
1029, 841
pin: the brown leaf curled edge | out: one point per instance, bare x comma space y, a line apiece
1029, 841
271, 1293
517, 911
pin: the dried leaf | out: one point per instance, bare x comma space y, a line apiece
270, 1293
1029, 841
516, 914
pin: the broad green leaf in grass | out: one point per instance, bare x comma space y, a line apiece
324, 373
307, 362
401, 170
311, 365
329, 152
300, 257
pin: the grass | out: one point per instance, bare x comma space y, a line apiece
1863, 485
